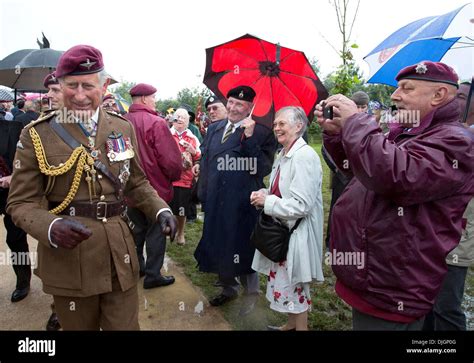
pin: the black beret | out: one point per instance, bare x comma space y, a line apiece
211, 100
244, 93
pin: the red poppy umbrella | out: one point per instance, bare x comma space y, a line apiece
280, 76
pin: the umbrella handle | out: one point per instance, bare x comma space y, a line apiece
251, 112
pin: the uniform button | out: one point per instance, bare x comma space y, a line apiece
102, 197
99, 176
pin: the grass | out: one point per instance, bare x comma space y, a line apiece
329, 311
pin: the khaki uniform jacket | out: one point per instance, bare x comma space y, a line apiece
87, 269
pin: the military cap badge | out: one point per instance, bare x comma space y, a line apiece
421, 68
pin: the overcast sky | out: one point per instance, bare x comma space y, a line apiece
163, 42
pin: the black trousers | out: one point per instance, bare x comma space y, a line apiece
147, 234
16, 242
361, 321
447, 313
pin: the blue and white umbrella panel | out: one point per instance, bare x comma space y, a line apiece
446, 38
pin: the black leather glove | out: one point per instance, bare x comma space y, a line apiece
68, 233
168, 224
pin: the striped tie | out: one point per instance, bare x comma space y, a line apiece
228, 133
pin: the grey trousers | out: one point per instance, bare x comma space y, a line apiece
447, 313
361, 321
148, 235
230, 285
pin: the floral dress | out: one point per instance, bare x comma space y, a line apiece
284, 297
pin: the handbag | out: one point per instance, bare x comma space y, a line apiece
271, 238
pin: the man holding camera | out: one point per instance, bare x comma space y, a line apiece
403, 208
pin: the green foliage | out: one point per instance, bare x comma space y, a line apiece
348, 79
123, 89
344, 80
376, 92
163, 105
189, 96
314, 132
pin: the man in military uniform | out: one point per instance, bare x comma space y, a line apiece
55, 94
73, 169
215, 108
55, 100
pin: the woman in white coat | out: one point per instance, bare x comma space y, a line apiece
294, 193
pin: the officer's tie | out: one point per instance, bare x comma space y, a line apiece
229, 131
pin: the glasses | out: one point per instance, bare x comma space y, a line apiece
212, 108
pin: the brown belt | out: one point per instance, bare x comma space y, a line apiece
95, 210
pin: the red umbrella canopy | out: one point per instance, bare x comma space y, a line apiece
280, 76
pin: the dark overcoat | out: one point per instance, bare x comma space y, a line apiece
230, 172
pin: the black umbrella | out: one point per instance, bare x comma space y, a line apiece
26, 69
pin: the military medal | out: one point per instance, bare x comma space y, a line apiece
125, 172
119, 148
95, 153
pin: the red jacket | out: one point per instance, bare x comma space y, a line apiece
186, 179
159, 156
403, 208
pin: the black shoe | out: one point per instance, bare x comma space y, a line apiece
218, 284
162, 281
277, 328
53, 323
221, 299
20, 294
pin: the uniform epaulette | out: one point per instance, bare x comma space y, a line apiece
43, 117
116, 115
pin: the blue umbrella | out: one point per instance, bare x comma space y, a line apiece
445, 38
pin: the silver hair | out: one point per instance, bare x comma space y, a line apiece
295, 115
103, 77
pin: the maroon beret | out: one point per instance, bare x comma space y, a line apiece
50, 79
81, 59
108, 96
430, 71
142, 89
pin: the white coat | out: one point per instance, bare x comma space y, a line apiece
300, 187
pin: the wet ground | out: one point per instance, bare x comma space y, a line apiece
180, 306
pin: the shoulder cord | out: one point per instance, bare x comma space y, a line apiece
84, 162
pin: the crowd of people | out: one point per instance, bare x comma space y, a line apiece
99, 191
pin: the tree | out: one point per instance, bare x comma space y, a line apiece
164, 105
123, 89
190, 96
315, 65
342, 13
377, 92
347, 74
